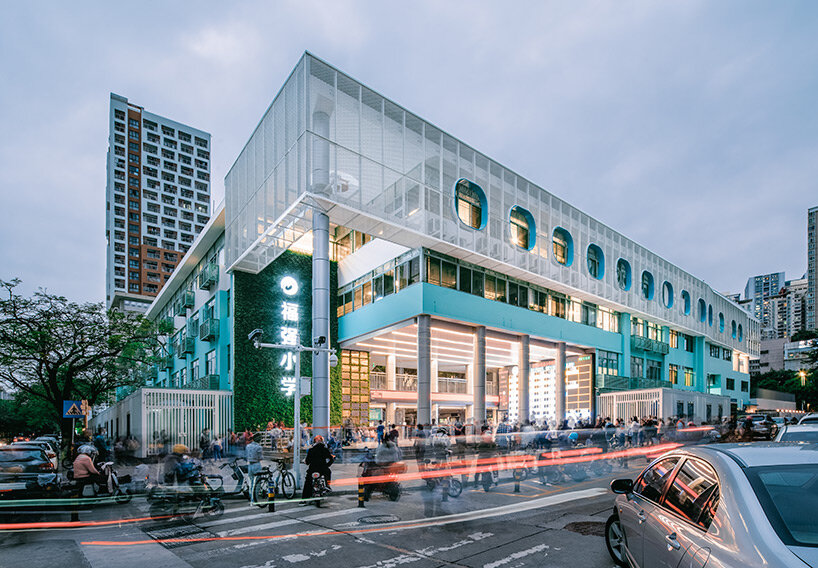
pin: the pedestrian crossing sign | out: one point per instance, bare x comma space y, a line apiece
72, 409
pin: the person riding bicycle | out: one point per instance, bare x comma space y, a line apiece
318, 460
85, 471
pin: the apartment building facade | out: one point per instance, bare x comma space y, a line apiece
157, 200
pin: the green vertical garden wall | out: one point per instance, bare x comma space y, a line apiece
257, 393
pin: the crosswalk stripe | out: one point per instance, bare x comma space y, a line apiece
286, 522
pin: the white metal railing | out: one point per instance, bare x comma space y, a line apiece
178, 416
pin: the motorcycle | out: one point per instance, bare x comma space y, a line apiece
197, 497
113, 486
320, 489
389, 486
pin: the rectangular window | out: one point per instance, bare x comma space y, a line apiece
557, 308
690, 345
715, 351
745, 386
433, 271
477, 286
654, 369
636, 367
210, 363
673, 373
388, 282
674, 339
490, 293
588, 316
607, 363
448, 275
414, 270
464, 284
689, 376
727, 354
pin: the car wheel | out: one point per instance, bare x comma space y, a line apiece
615, 541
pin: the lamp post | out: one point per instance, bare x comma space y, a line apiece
803, 374
318, 347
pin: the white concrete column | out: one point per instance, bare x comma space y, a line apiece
424, 339
320, 322
390, 413
523, 390
435, 388
559, 389
479, 374
390, 372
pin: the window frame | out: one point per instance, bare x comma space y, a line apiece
672, 480
474, 200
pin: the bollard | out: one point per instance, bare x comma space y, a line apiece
516, 486
361, 495
271, 500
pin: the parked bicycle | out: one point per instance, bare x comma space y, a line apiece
240, 476
273, 481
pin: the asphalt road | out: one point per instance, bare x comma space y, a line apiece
550, 526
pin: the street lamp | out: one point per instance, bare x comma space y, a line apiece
803, 374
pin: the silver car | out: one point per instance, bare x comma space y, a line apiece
798, 433
731, 505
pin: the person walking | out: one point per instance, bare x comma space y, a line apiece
253, 456
204, 443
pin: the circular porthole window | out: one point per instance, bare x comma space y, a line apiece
733, 329
686, 302
667, 294
721, 322
623, 274
647, 285
740, 333
702, 311
596, 262
710, 315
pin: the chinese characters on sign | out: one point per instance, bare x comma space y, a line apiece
289, 335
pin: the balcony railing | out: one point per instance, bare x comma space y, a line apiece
209, 329
648, 344
614, 382
188, 298
409, 383
209, 276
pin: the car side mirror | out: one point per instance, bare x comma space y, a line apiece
622, 486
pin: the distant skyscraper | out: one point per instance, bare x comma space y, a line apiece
788, 309
157, 200
759, 290
812, 267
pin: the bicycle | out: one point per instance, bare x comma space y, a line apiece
285, 480
263, 486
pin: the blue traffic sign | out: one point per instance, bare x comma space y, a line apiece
72, 409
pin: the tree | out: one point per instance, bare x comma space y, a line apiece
53, 349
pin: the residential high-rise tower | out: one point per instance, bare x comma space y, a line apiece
812, 266
157, 200
759, 290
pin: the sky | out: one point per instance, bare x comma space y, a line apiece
688, 126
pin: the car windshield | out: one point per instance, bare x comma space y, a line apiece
789, 496
19, 454
808, 436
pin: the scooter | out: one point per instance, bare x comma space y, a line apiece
320, 489
113, 486
198, 497
242, 479
389, 486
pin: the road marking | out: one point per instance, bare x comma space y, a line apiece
285, 522
517, 556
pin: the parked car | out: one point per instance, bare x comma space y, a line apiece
763, 426
20, 464
53, 442
731, 505
45, 446
809, 419
798, 433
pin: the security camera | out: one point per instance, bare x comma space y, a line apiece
255, 336
320, 340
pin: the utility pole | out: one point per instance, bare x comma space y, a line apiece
318, 347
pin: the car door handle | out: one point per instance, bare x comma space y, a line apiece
672, 543
641, 516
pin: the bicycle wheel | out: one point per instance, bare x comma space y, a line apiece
455, 488
288, 485
261, 491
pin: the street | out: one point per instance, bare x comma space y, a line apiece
539, 526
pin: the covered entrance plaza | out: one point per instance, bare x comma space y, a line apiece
429, 369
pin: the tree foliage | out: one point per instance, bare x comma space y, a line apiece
53, 349
790, 382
